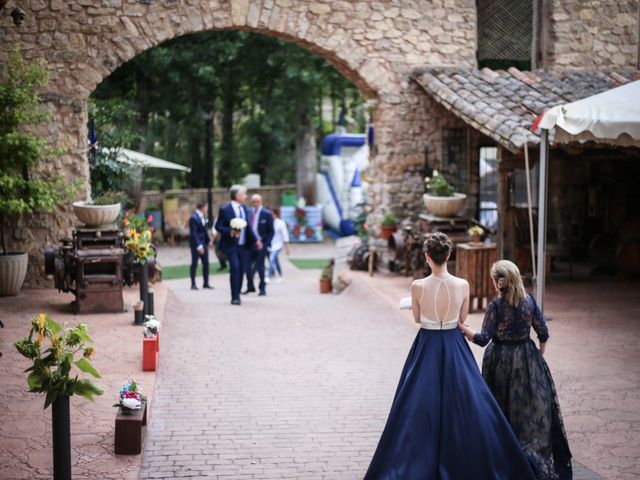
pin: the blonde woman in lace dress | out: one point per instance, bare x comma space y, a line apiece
444, 423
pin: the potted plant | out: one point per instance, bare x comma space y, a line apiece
476, 233
22, 191
51, 374
103, 210
139, 247
441, 198
326, 277
389, 225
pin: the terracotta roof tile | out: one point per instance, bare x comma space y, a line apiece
503, 105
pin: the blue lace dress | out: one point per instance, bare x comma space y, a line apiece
521, 382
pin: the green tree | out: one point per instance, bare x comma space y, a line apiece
23, 190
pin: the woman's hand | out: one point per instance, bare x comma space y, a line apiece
543, 347
468, 333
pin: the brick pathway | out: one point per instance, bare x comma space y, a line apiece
292, 385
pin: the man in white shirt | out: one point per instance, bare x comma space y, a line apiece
236, 244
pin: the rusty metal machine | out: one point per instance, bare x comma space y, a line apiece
92, 266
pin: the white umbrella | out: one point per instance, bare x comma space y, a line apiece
611, 117
142, 159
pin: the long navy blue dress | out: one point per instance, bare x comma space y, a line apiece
444, 422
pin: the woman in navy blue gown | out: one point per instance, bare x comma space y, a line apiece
444, 422
518, 376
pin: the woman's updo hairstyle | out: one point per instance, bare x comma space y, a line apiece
510, 286
438, 246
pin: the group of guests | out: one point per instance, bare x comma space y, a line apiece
449, 421
245, 250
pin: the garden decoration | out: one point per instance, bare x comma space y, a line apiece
150, 344
326, 278
139, 248
476, 233
441, 198
51, 373
388, 225
131, 417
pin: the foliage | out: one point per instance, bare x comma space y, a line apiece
139, 223
139, 244
437, 185
389, 220
51, 369
20, 111
109, 198
327, 271
115, 120
259, 91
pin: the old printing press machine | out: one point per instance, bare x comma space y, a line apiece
94, 266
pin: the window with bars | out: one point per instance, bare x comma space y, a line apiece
507, 33
488, 198
455, 165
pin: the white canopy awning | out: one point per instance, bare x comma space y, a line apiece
142, 159
611, 117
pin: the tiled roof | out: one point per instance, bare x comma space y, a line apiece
504, 104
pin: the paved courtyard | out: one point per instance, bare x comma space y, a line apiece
298, 385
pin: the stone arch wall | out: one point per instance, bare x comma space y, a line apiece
375, 44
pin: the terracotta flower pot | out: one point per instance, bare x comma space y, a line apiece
325, 285
386, 232
96, 215
13, 269
444, 206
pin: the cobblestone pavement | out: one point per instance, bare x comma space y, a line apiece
298, 385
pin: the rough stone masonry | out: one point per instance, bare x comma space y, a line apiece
376, 44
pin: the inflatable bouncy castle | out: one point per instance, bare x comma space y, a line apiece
339, 185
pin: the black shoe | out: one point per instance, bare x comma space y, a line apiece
207, 287
248, 290
235, 301
221, 268
262, 293
193, 287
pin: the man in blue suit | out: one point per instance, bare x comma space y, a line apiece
236, 244
199, 242
261, 223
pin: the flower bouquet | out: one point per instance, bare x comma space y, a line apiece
130, 398
151, 326
238, 224
139, 244
476, 233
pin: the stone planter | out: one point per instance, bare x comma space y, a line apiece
96, 215
444, 206
13, 269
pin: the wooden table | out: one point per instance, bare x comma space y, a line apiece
473, 263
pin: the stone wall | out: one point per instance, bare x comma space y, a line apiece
375, 44
594, 33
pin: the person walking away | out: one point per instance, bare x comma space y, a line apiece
261, 223
444, 422
222, 258
279, 242
518, 375
236, 239
199, 243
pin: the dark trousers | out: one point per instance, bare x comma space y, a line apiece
238, 257
256, 262
194, 265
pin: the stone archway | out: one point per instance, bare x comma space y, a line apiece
376, 45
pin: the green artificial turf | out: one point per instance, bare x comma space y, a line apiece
309, 263
182, 271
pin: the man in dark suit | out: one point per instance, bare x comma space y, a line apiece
236, 244
261, 223
199, 242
